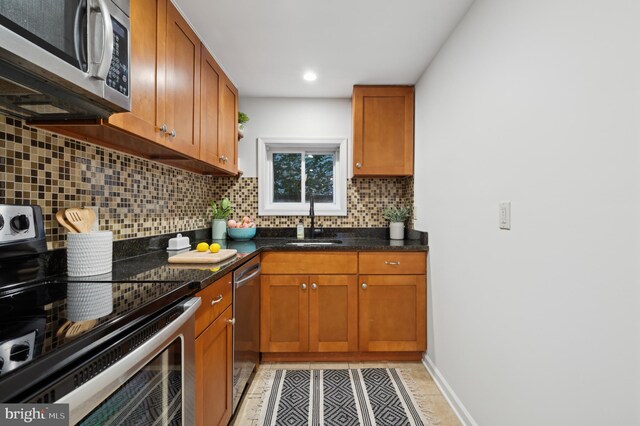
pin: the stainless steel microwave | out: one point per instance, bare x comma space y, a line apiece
64, 59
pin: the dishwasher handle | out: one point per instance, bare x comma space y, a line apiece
244, 278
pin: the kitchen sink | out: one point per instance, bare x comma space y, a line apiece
314, 243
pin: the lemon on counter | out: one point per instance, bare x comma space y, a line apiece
202, 247
214, 248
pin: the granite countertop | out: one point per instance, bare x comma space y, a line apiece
154, 266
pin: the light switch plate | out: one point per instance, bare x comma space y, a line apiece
504, 215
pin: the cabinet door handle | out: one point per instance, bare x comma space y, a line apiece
217, 300
314, 286
163, 128
364, 286
231, 321
173, 133
388, 262
358, 165
303, 286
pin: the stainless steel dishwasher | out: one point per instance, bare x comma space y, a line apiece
246, 332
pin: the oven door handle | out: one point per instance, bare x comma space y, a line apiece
84, 399
243, 279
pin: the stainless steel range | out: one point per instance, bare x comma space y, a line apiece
129, 360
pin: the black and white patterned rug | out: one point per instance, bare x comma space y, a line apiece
356, 397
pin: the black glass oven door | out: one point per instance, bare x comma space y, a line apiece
57, 26
153, 396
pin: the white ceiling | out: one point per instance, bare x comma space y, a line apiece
265, 46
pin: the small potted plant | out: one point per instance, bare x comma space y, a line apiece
242, 120
396, 217
221, 212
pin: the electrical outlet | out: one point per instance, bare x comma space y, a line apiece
504, 219
415, 215
96, 224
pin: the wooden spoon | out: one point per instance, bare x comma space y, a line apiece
63, 222
79, 219
80, 327
90, 217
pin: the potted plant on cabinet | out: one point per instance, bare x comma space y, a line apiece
221, 213
242, 120
396, 217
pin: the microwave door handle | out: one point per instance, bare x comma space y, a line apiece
102, 69
81, 55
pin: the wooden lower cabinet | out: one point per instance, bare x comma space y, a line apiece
284, 313
333, 313
309, 313
214, 363
392, 313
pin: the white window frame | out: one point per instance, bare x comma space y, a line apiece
266, 147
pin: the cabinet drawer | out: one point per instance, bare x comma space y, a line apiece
390, 262
309, 263
215, 299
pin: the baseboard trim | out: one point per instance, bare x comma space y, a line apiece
456, 405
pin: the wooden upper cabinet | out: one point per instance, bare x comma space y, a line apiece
383, 130
210, 81
228, 135
166, 80
219, 116
145, 28
182, 84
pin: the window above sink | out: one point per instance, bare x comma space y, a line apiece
292, 169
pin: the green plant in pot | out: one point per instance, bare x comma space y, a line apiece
220, 212
242, 120
396, 216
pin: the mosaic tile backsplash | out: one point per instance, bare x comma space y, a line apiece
140, 198
366, 197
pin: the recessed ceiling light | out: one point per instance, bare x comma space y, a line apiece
310, 76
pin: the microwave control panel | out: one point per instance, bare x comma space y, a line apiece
118, 77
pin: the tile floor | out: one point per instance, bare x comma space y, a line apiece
426, 392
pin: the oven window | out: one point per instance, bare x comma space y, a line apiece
152, 397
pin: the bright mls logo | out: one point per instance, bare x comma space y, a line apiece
34, 414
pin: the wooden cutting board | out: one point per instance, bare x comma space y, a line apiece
195, 256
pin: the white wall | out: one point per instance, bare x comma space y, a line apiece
290, 117
537, 102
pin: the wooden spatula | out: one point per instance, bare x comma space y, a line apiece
63, 222
80, 219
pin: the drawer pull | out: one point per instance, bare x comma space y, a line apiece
364, 286
388, 262
216, 300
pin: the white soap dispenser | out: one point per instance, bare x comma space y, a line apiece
300, 231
